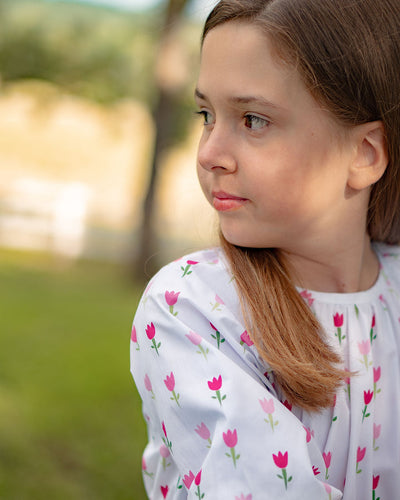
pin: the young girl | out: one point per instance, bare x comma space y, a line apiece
270, 367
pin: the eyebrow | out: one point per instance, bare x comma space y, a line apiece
242, 100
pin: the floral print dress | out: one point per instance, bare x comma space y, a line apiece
218, 427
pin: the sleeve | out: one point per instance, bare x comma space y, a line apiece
216, 431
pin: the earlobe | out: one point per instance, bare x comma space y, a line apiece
371, 157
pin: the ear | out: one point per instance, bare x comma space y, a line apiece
371, 156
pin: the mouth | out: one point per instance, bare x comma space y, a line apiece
224, 202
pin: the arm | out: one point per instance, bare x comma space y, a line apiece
215, 425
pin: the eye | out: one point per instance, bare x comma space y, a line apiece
255, 122
206, 116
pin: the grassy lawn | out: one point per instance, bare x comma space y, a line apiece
70, 418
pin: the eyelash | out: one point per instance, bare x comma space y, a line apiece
247, 118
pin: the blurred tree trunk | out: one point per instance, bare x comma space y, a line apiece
166, 92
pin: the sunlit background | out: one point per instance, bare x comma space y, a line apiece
97, 190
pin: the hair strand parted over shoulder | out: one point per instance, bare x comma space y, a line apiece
348, 54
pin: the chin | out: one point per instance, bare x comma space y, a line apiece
243, 240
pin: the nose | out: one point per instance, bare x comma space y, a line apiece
216, 151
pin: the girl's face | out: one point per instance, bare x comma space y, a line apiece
271, 160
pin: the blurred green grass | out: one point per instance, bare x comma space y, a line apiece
71, 425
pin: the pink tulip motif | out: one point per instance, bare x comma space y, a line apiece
231, 439
215, 385
315, 470
372, 334
360, 457
216, 305
244, 497
204, 432
171, 299
144, 468
148, 386
338, 322
151, 332
307, 296
383, 302
328, 489
188, 480
165, 439
376, 434
281, 461
245, 339
375, 482
196, 339
377, 376
368, 395
309, 434
164, 491
365, 347
165, 453
218, 337
134, 338
268, 406
187, 269
288, 405
327, 461
170, 385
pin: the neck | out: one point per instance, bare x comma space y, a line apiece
352, 268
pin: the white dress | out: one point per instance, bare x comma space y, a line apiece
218, 429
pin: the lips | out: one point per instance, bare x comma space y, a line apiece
224, 202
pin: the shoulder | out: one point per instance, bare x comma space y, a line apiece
197, 279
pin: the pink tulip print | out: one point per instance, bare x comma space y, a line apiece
338, 322
188, 479
377, 376
307, 296
365, 347
360, 457
383, 302
230, 439
327, 461
368, 395
165, 453
245, 339
375, 482
165, 439
196, 339
144, 469
134, 338
151, 332
187, 268
217, 336
268, 406
148, 386
328, 489
372, 334
172, 298
216, 305
164, 491
309, 434
204, 432
281, 461
215, 385
170, 385
244, 497
376, 434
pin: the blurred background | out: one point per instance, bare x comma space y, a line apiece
97, 190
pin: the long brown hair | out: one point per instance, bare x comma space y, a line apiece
348, 54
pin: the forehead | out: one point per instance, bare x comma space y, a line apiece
238, 57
